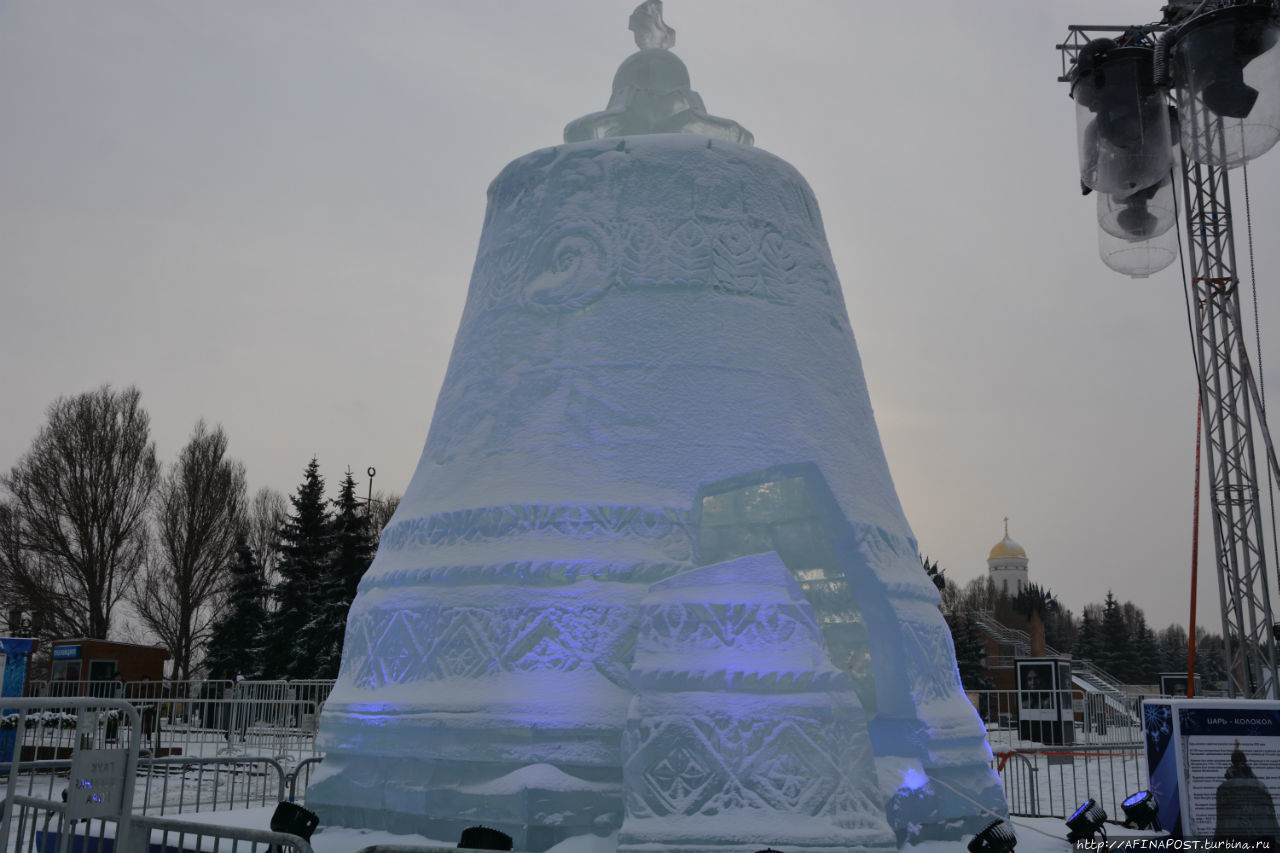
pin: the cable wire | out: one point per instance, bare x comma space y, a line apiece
1186, 287
1257, 343
962, 795
1195, 358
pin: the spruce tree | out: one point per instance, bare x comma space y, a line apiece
352, 552
235, 645
295, 639
1145, 651
936, 575
1115, 653
1088, 639
1173, 649
971, 652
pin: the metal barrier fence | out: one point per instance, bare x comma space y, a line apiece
302, 773
184, 785
74, 782
1091, 748
1052, 782
97, 738
171, 834
212, 746
42, 826
213, 717
1090, 718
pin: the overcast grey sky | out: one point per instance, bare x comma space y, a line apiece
265, 214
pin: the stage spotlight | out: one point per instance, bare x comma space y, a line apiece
998, 837
295, 820
1140, 811
1086, 822
483, 838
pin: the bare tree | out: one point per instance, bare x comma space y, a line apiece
267, 514
77, 505
199, 505
380, 511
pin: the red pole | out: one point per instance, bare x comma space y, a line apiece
1195, 562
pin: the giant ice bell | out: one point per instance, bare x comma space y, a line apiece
651, 576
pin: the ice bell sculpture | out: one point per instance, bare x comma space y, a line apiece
651, 576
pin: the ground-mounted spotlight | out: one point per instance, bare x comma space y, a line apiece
998, 837
1087, 822
768, 850
295, 820
1140, 810
484, 838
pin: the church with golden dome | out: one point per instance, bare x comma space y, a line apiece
1007, 564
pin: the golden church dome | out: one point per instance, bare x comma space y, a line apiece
1005, 548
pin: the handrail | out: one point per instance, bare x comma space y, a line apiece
167, 825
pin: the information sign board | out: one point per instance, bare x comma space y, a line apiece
96, 785
1214, 766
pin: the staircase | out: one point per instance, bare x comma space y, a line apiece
1019, 641
1085, 674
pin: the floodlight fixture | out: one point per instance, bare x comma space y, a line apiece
1140, 810
1138, 258
997, 837
295, 820
1140, 215
484, 838
1122, 118
1086, 822
1226, 75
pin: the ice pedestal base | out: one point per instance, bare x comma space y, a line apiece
742, 732
538, 805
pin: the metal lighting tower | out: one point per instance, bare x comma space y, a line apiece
1199, 54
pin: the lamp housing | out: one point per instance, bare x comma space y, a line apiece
1086, 822
294, 819
1140, 810
1122, 118
1226, 72
484, 838
1139, 215
1137, 257
996, 837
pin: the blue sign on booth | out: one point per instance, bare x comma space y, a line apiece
17, 655
63, 652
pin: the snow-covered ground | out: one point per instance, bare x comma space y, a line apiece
1035, 835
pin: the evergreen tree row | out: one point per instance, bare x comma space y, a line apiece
1112, 635
294, 628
